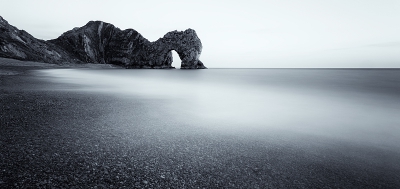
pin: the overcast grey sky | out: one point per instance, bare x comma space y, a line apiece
251, 33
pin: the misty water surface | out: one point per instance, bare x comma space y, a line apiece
352, 105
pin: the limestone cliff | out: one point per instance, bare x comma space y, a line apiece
100, 42
19, 44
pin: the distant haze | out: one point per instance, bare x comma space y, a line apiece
239, 34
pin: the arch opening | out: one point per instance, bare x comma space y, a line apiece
176, 60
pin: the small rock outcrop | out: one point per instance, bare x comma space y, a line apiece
100, 42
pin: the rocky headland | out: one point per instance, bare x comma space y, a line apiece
101, 42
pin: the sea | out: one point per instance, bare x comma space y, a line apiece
345, 120
355, 105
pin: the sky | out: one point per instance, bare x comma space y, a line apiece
239, 34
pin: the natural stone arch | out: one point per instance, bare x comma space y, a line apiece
186, 44
100, 42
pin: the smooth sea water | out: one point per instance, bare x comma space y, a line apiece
245, 128
353, 105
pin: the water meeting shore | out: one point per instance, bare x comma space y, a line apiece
52, 137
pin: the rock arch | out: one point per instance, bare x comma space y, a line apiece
100, 42
186, 43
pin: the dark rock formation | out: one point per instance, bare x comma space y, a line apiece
100, 42
19, 44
